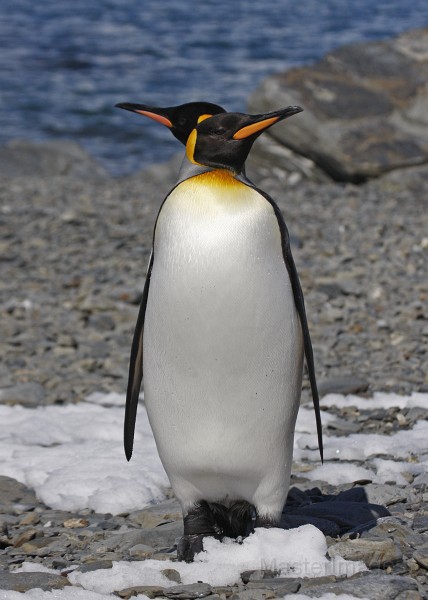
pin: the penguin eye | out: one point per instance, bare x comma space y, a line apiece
182, 121
217, 130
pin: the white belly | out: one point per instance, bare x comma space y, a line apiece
223, 348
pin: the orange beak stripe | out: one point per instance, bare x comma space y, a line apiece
155, 117
254, 128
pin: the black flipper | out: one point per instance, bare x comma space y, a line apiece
309, 355
135, 370
300, 306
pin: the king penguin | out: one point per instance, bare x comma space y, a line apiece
222, 334
180, 120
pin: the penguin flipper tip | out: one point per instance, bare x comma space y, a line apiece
128, 453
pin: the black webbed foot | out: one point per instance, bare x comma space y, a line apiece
189, 545
210, 519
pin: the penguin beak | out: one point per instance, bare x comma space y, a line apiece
258, 123
157, 114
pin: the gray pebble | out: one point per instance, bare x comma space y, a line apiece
22, 582
190, 591
172, 575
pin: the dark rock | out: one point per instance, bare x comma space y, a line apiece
22, 582
257, 575
373, 585
190, 591
280, 585
12, 492
365, 105
420, 523
346, 384
421, 556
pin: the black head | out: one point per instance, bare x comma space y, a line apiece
181, 120
223, 141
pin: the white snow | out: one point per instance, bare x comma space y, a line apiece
298, 552
72, 456
379, 400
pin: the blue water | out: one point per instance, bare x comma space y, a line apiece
64, 64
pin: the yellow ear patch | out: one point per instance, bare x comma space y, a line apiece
191, 141
190, 146
203, 117
254, 128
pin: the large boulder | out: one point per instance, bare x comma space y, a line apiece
366, 107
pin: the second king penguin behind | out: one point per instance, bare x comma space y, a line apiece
221, 338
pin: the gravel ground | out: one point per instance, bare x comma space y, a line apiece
74, 253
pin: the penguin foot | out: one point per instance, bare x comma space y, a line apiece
211, 519
198, 523
189, 545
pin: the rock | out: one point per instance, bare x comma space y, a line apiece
374, 553
280, 585
420, 523
348, 384
141, 551
153, 516
95, 566
28, 394
31, 518
190, 591
376, 586
385, 495
392, 528
270, 158
172, 575
13, 492
421, 556
151, 591
75, 523
21, 158
24, 536
22, 582
257, 575
366, 107
163, 536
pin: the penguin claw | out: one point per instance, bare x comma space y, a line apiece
189, 545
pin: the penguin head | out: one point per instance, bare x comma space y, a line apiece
224, 141
181, 120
